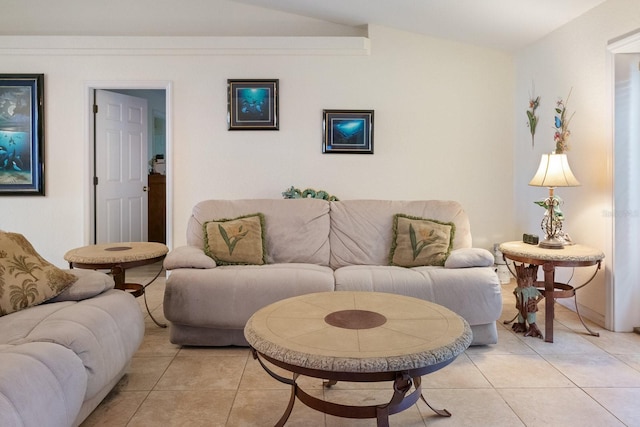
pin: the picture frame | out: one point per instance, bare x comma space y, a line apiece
22, 134
253, 104
347, 131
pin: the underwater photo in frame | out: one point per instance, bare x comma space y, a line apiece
252, 104
347, 131
22, 134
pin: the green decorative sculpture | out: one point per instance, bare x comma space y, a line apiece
294, 193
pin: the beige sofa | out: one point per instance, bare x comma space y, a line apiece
59, 359
320, 246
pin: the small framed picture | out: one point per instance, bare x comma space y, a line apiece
252, 104
347, 131
22, 134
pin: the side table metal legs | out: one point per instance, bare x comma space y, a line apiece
134, 289
550, 290
118, 274
553, 290
592, 333
144, 288
549, 300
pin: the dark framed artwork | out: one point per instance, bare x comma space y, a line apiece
22, 134
252, 104
347, 131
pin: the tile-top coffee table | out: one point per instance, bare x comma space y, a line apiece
357, 337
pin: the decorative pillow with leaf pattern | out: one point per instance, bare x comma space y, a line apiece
419, 241
27, 279
236, 241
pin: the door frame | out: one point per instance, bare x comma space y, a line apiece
89, 173
623, 302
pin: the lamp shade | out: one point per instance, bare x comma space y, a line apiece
554, 171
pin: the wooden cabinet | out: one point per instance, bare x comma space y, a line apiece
157, 208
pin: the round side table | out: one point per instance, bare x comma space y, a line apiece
549, 259
118, 257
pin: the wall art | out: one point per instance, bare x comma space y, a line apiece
22, 134
347, 131
252, 104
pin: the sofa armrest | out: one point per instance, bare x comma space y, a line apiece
188, 257
89, 284
469, 257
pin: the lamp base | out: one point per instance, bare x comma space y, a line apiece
552, 243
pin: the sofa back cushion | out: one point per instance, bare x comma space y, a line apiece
362, 230
296, 230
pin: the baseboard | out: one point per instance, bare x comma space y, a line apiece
585, 312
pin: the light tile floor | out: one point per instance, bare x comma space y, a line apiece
578, 380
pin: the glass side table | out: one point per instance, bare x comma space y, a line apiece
549, 259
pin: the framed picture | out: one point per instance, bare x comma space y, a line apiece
252, 104
347, 131
22, 134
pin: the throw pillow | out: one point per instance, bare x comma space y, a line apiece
419, 241
27, 279
236, 241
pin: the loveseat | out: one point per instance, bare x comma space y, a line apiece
60, 357
313, 245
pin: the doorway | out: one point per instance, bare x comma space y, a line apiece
150, 160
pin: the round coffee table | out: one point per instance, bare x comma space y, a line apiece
357, 337
117, 257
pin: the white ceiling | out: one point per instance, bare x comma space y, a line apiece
500, 24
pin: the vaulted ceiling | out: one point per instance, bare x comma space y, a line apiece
506, 25
501, 24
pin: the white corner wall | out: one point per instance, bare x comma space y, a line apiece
443, 127
575, 58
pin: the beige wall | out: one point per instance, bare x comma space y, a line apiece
575, 57
450, 120
443, 129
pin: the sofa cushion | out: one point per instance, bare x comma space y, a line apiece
296, 230
26, 279
41, 384
362, 230
103, 331
473, 293
236, 241
419, 241
225, 297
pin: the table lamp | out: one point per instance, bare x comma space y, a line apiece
554, 171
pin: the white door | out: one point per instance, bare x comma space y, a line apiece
121, 168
